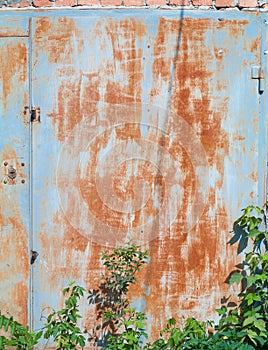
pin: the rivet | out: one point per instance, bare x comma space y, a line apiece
5, 182
220, 19
5, 163
23, 181
22, 164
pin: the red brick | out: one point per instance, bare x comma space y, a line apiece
111, 2
23, 3
43, 3
202, 2
156, 2
226, 3
88, 2
134, 2
65, 2
248, 3
179, 2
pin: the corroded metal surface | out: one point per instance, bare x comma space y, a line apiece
14, 178
144, 135
149, 139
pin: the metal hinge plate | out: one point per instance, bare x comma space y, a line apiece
257, 72
34, 114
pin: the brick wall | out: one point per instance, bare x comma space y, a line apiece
214, 4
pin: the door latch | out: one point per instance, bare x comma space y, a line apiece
34, 255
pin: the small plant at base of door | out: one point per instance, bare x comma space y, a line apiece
16, 335
250, 317
62, 325
116, 319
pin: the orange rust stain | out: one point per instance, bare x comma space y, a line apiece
164, 277
237, 28
198, 253
20, 297
72, 239
68, 112
188, 75
254, 176
239, 137
90, 95
78, 93
9, 155
118, 93
116, 218
8, 152
255, 45
64, 251
13, 68
124, 185
14, 258
162, 60
129, 131
124, 35
55, 38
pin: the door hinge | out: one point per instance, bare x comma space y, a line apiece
257, 72
35, 114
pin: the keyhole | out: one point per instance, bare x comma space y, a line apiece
12, 173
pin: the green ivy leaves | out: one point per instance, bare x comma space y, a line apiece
62, 325
17, 335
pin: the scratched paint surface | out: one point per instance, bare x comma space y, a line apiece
14, 192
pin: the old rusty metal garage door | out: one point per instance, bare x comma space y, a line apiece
150, 128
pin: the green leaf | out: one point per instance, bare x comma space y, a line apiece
171, 322
6, 324
253, 233
222, 310
251, 280
249, 320
236, 277
260, 324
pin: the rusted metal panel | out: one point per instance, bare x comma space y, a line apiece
14, 178
11, 26
149, 130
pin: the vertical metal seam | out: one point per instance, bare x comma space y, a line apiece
264, 64
31, 284
263, 163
